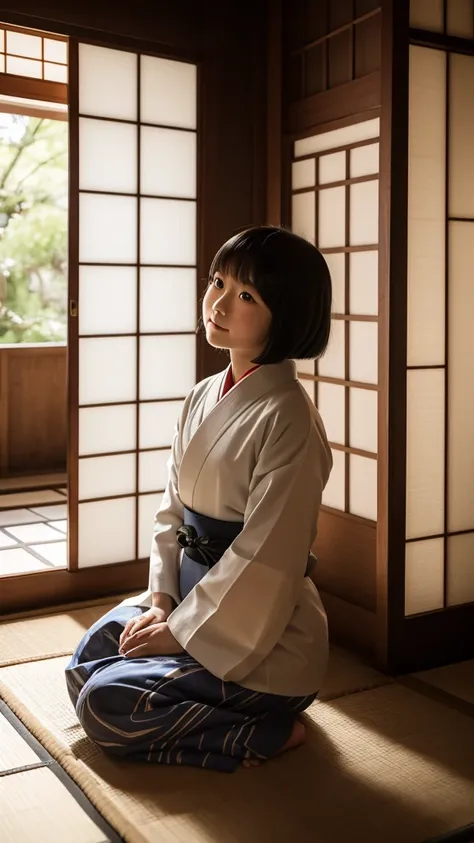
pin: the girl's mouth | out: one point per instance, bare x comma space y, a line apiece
217, 326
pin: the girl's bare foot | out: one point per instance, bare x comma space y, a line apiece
297, 738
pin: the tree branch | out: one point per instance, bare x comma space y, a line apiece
41, 164
19, 152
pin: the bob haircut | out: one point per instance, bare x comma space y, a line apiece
293, 280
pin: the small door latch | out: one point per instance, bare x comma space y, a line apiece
73, 308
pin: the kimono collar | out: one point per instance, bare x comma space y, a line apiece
213, 417
248, 389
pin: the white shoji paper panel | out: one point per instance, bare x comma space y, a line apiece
107, 429
153, 470
364, 213
168, 162
425, 452
55, 72
365, 130
426, 207
306, 366
106, 532
157, 423
303, 173
427, 14
303, 215
107, 82
107, 370
364, 160
460, 377
22, 44
331, 405
332, 167
107, 299
55, 50
309, 388
336, 263
103, 477
460, 569
363, 487
332, 363
461, 136
148, 506
107, 228
334, 493
460, 18
424, 575
167, 299
363, 419
167, 366
107, 156
363, 365
332, 217
24, 67
168, 92
167, 231
364, 283
426, 285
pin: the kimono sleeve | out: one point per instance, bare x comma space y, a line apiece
164, 557
237, 613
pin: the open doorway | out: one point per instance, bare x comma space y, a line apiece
33, 300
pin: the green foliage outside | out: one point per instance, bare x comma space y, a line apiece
33, 229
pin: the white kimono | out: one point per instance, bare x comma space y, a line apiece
258, 456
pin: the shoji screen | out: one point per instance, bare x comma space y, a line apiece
135, 142
440, 353
335, 206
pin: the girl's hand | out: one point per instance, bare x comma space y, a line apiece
154, 640
140, 622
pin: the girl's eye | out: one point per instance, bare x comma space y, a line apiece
248, 297
218, 282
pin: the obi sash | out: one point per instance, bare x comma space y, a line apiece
204, 540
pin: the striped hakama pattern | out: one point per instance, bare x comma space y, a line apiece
170, 709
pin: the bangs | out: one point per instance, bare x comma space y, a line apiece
238, 259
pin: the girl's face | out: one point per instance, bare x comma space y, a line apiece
235, 316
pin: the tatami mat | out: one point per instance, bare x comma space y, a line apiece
385, 764
46, 636
55, 814
382, 761
14, 751
456, 679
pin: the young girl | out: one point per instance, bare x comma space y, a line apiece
212, 664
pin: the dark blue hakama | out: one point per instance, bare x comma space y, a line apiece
170, 709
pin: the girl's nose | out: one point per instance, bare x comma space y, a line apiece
220, 305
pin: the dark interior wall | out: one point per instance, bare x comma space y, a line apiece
228, 40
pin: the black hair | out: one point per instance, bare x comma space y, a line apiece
293, 279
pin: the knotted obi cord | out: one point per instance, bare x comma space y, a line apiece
204, 540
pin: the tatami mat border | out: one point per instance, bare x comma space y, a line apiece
46, 760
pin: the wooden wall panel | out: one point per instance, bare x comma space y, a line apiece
33, 425
367, 46
350, 541
330, 106
327, 45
